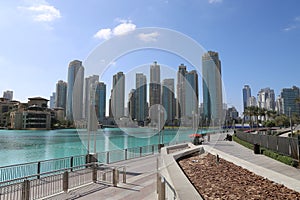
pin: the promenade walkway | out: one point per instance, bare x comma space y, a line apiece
141, 173
257, 163
140, 184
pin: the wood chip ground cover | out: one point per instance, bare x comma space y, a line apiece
225, 180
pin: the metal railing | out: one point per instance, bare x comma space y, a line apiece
283, 145
59, 181
38, 168
165, 189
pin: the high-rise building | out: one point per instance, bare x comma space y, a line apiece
181, 82
191, 93
89, 83
266, 99
52, 100
154, 89
279, 105
118, 96
8, 94
61, 95
141, 97
246, 96
251, 101
290, 97
100, 101
168, 100
74, 108
132, 104
212, 87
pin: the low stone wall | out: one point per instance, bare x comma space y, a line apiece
173, 174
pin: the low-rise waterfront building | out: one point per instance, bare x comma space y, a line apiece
6, 106
31, 115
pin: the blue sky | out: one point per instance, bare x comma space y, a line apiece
258, 41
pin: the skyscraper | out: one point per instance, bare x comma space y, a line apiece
100, 101
246, 96
266, 99
8, 94
89, 82
168, 99
74, 107
289, 100
141, 97
191, 93
118, 96
212, 87
132, 104
154, 89
181, 82
52, 100
61, 95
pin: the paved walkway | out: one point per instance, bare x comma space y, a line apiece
257, 163
140, 183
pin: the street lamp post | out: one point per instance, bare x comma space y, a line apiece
291, 127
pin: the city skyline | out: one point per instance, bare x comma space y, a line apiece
255, 49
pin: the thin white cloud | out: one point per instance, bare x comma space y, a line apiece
295, 24
103, 34
290, 28
43, 12
215, 1
121, 29
124, 28
148, 37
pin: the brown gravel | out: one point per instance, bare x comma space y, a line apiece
229, 181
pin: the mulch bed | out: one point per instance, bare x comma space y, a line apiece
225, 180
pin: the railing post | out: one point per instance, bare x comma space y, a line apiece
38, 170
104, 176
66, 181
141, 151
26, 190
124, 174
157, 183
107, 157
125, 154
71, 163
162, 189
94, 173
115, 177
87, 160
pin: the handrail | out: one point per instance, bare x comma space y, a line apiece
170, 187
66, 169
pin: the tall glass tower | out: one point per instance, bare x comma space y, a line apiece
212, 87
100, 101
118, 96
191, 93
246, 96
61, 95
168, 99
141, 97
181, 85
89, 82
74, 107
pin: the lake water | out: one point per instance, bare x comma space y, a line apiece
21, 146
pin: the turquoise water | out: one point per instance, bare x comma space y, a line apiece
23, 146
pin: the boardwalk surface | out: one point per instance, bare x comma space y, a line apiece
140, 183
141, 173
